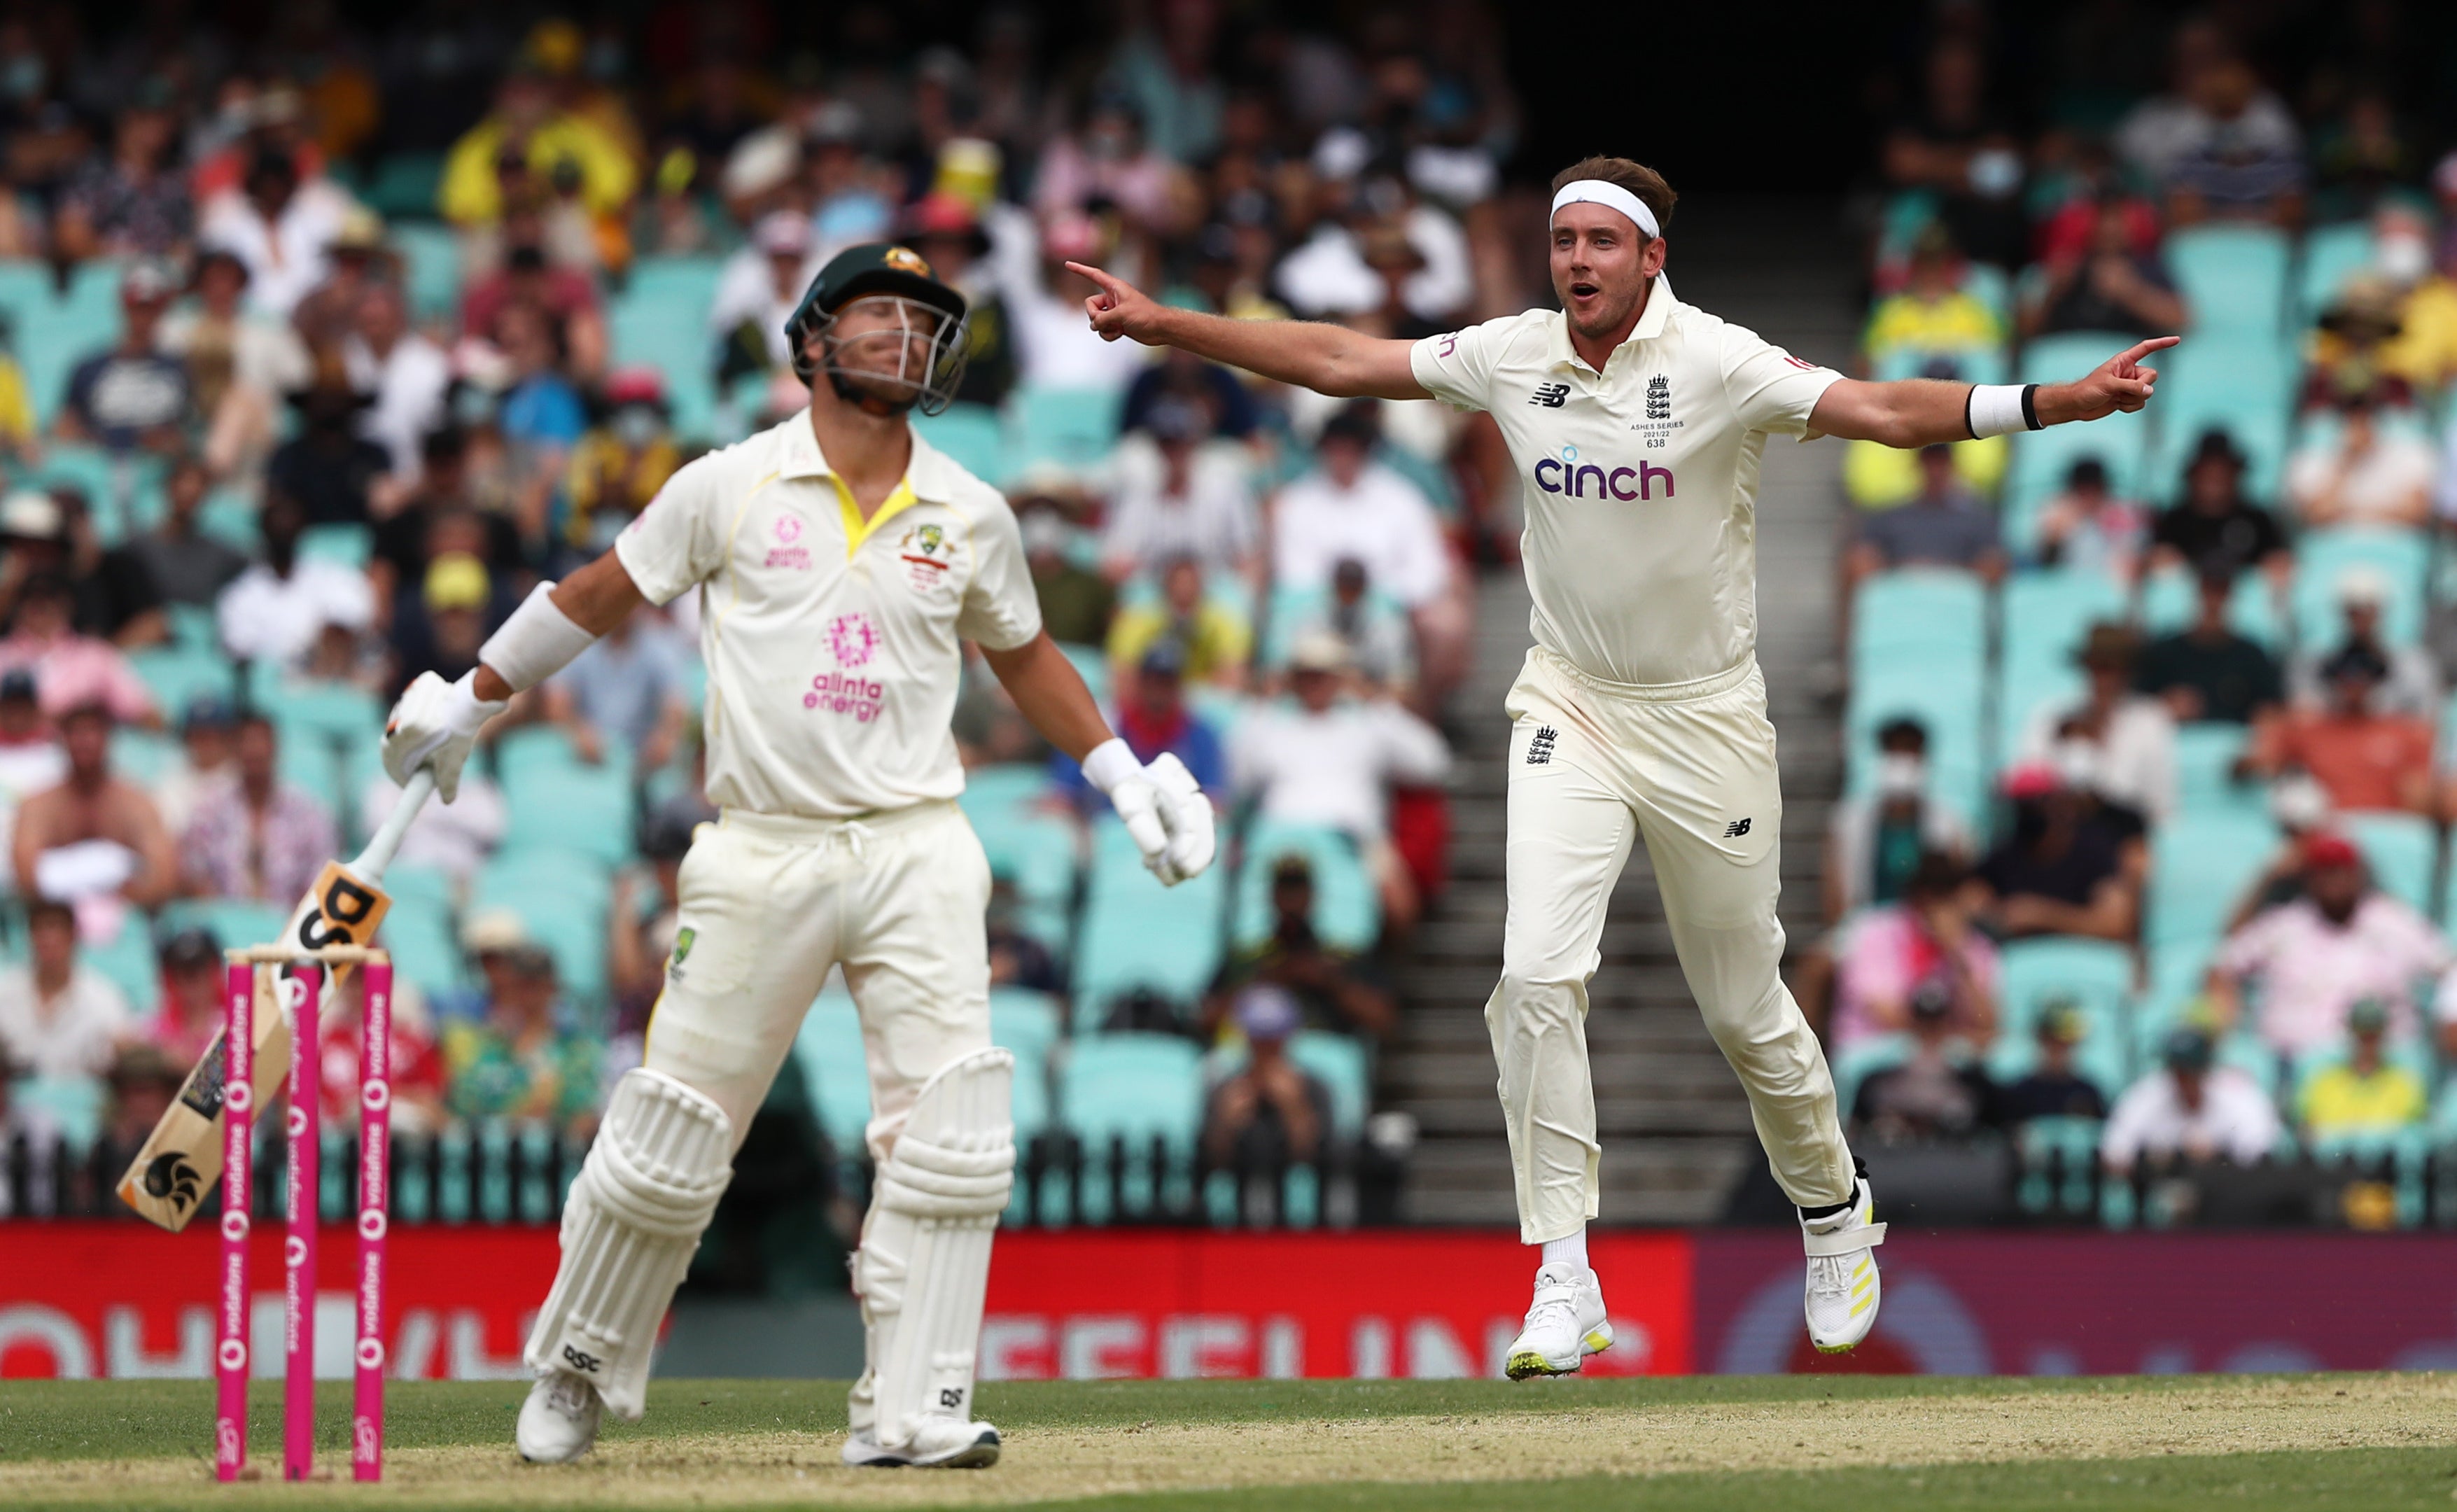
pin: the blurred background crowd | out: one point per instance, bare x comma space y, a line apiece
2139, 865
328, 336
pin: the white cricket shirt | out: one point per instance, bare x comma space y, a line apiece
1639, 482
832, 642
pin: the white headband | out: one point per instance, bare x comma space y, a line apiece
1612, 197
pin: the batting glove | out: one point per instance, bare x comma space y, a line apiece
1164, 808
434, 726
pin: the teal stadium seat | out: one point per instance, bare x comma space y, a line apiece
143, 757
2171, 600
2097, 974
1854, 1063
1036, 852
404, 184
829, 1049
1138, 1089
561, 898
179, 674
2235, 381
1007, 788
2200, 865
2403, 556
235, 921
2332, 255
127, 962
1347, 909
2402, 850
660, 321
2046, 615
343, 544
1072, 428
2234, 278
2205, 757
228, 515
558, 801
430, 256
1138, 934
973, 435
2042, 458
420, 930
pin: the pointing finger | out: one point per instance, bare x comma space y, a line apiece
2143, 348
1112, 289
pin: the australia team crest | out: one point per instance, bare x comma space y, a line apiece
927, 551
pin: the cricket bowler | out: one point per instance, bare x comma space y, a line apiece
1636, 424
840, 560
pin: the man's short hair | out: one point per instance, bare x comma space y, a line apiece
1637, 178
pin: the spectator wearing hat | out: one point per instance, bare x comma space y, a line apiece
2412, 684
1349, 506
1077, 604
140, 1084
518, 1059
2087, 528
946, 231
2130, 736
2051, 1088
408, 377
2365, 1093
620, 463
1939, 1094
1178, 496
1381, 648
190, 1013
2363, 757
1876, 841
239, 361
282, 228
95, 839
273, 611
2206, 673
206, 763
258, 838
1215, 636
327, 469
182, 564
1945, 524
2189, 1109
2216, 520
625, 694
357, 260
1927, 938
1330, 760
1270, 1112
2070, 866
2362, 475
61, 1019
2300, 807
1152, 718
757, 291
130, 396
1335, 991
2311, 958
452, 619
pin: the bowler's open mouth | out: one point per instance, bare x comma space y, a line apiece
1582, 290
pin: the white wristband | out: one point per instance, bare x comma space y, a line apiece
535, 643
1999, 409
1109, 763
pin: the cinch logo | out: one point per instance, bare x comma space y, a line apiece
1567, 474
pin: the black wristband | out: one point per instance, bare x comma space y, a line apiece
2029, 409
1968, 395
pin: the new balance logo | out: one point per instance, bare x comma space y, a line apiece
1736, 829
1539, 747
1552, 396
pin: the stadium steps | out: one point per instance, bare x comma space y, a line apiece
1675, 1126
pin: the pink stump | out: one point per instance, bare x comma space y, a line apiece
375, 1182
298, 1245
238, 1126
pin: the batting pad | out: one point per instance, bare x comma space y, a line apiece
925, 1261
662, 1158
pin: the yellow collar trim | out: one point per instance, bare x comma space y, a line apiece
858, 529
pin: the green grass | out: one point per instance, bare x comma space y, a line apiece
68, 1422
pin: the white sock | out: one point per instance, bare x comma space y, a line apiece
1573, 1250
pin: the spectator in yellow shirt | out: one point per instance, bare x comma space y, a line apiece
17, 428
526, 120
1215, 638
1933, 314
2364, 1093
622, 461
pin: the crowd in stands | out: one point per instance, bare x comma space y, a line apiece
2146, 839
325, 340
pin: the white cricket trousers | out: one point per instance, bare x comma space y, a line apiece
770, 902
1692, 768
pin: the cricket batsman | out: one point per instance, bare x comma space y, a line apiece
840, 559
1636, 424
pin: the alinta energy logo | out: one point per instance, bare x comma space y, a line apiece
853, 639
1595, 479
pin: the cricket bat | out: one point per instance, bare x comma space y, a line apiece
182, 1158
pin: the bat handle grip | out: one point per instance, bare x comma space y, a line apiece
387, 840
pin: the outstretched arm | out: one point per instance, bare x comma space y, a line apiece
1922, 411
1051, 694
1326, 358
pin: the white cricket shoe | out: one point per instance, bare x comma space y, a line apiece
1564, 1326
559, 1420
941, 1443
1842, 1296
